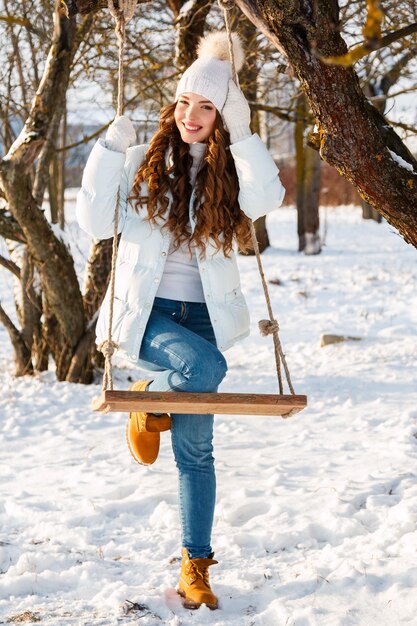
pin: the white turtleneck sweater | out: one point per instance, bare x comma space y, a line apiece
181, 278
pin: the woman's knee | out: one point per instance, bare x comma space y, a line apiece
213, 371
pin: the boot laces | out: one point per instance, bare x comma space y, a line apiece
198, 571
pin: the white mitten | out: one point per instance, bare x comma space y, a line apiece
120, 134
236, 114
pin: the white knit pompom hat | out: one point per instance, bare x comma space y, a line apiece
209, 75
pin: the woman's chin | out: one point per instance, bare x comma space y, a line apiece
193, 138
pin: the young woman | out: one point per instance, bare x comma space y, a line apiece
185, 200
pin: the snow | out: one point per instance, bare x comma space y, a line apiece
187, 7
316, 515
401, 161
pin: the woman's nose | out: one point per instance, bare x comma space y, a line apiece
191, 112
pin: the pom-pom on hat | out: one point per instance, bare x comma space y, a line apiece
209, 75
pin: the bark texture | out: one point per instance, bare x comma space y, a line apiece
353, 136
378, 90
62, 304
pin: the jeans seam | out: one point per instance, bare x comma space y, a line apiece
180, 498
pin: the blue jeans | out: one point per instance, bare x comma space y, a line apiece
180, 347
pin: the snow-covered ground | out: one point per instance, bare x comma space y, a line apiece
316, 515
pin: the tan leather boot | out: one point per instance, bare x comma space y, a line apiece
142, 431
194, 584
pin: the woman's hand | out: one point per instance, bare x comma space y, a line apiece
120, 134
236, 114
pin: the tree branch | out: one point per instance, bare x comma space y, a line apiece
364, 49
411, 129
259, 106
47, 99
22, 353
8, 324
84, 7
9, 228
10, 265
61, 289
20, 21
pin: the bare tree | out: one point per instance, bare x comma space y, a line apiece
39, 252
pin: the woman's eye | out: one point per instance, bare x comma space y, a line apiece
183, 101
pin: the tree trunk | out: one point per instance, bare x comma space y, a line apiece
31, 307
97, 276
299, 140
63, 306
61, 170
190, 21
56, 182
53, 189
312, 175
369, 213
308, 169
248, 79
380, 87
95, 285
22, 355
353, 136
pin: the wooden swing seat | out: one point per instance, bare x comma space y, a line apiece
203, 403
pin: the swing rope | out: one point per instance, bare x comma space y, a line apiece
271, 326
122, 15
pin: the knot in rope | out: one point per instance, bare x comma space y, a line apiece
108, 348
226, 4
268, 327
125, 8
122, 14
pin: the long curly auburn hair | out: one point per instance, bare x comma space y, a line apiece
216, 208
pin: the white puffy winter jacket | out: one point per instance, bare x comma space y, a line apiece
144, 247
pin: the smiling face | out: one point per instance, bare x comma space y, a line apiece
195, 117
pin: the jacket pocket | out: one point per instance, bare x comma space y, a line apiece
237, 309
234, 297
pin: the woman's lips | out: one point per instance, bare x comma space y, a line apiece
192, 129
